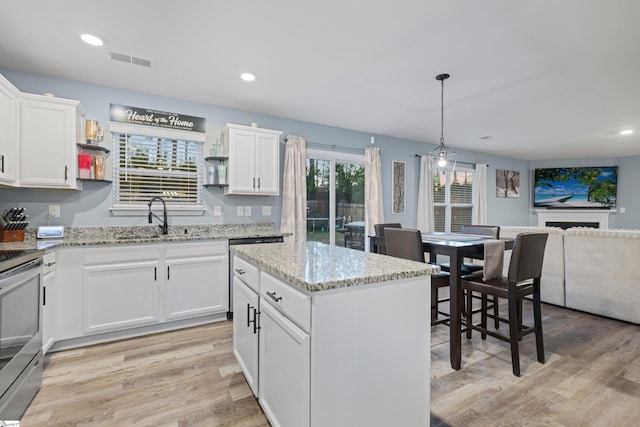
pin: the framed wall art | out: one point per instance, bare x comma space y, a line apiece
507, 183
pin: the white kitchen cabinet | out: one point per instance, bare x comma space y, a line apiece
48, 301
121, 288
109, 292
194, 272
245, 331
9, 132
254, 160
50, 128
284, 378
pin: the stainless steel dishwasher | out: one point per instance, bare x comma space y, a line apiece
244, 241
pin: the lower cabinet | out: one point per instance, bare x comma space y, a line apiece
245, 331
194, 272
109, 288
284, 381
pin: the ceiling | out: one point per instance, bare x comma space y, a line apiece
542, 80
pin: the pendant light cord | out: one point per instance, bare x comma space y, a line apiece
442, 112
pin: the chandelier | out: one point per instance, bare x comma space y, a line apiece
442, 154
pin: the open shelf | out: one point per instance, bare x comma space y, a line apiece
94, 147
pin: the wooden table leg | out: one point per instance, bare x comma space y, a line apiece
455, 309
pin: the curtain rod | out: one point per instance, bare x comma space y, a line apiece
464, 163
312, 144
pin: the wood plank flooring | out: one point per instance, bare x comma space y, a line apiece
190, 378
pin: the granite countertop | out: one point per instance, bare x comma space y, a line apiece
96, 236
314, 266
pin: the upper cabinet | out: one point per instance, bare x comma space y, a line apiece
50, 128
254, 160
9, 131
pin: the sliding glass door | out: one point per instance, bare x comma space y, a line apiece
335, 198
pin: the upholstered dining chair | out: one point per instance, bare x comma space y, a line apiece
379, 230
407, 243
492, 231
523, 278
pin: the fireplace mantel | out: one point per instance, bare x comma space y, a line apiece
600, 216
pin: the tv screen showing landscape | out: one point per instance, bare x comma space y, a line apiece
582, 187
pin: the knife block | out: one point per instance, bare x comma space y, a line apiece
11, 235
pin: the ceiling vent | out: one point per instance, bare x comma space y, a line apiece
130, 59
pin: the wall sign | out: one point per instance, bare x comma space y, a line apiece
163, 119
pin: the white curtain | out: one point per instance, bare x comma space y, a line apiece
294, 190
374, 210
425, 221
479, 195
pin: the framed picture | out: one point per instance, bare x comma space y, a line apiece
399, 175
507, 183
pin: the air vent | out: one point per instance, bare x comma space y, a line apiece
130, 59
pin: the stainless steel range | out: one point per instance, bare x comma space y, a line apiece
20, 330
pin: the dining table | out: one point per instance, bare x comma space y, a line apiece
457, 247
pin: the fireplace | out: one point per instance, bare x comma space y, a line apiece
567, 218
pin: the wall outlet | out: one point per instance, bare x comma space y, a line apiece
240, 211
247, 211
266, 211
54, 211
217, 210
622, 210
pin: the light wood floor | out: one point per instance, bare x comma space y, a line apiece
190, 378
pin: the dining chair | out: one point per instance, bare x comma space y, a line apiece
379, 230
523, 278
407, 243
492, 231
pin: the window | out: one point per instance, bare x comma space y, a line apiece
452, 199
147, 166
335, 183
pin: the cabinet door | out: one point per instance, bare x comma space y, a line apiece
284, 381
196, 286
9, 124
48, 310
48, 134
242, 162
245, 332
268, 164
119, 296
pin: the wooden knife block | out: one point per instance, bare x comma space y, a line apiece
11, 235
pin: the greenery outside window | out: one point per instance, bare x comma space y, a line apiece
452, 199
146, 166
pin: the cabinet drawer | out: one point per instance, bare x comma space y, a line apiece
291, 302
248, 273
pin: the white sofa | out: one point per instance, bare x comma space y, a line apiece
552, 282
601, 274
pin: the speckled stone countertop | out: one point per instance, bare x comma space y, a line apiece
314, 266
95, 236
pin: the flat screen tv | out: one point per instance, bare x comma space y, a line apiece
581, 187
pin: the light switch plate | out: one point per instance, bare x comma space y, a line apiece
247, 211
266, 211
240, 211
217, 210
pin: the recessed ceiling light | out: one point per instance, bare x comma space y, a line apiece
248, 77
626, 132
92, 40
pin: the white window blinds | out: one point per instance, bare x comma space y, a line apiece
147, 166
452, 199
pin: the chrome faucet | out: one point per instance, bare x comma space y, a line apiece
164, 226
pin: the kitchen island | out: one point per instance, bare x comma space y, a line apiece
329, 336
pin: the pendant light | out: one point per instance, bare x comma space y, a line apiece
442, 154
